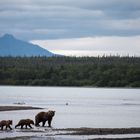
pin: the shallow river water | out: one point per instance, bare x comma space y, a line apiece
76, 107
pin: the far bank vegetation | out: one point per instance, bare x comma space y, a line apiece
113, 71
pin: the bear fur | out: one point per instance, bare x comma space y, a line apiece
26, 122
43, 117
6, 123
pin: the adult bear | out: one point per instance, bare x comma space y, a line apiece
6, 123
26, 122
43, 117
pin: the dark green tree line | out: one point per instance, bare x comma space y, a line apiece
71, 71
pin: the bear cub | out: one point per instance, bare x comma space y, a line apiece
25, 122
6, 123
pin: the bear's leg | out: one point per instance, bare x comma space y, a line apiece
26, 126
16, 126
30, 126
22, 126
43, 123
37, 123
10, 127
49, 122
2, 127
6, 127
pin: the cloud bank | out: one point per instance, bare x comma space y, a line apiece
93, 46
115, 23
53, 19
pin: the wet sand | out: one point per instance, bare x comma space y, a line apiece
12, 108
49, 138
99, 131
45, 133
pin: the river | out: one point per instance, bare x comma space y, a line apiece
76, 107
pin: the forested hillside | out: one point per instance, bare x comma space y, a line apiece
71, 71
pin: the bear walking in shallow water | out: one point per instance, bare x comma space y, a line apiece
6, 123
26, 122
43, 117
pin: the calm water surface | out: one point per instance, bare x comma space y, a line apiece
87, 107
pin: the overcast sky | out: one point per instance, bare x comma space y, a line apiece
75, 27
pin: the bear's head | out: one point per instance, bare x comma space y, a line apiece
51, 113
10, 122
31, 122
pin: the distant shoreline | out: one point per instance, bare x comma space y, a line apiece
12, 108
69, 87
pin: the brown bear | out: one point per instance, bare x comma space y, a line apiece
26, 122
43, 117
6, 123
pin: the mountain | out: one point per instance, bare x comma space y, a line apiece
10, 46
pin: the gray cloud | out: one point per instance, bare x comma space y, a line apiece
42, 19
